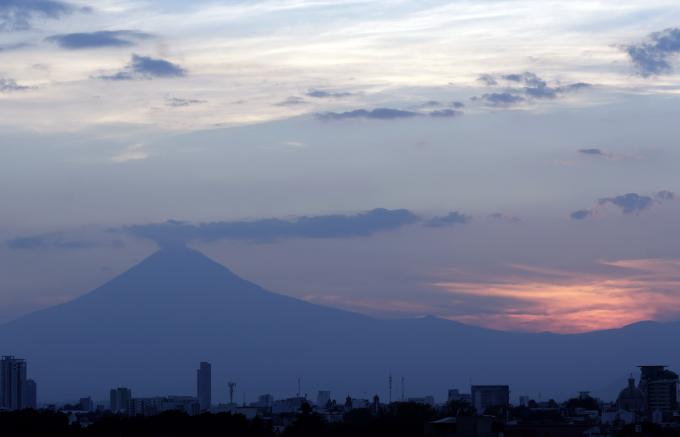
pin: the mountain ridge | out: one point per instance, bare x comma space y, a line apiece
150, 326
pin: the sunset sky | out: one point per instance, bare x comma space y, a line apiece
505, 163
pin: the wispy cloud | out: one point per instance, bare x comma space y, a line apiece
100, 39
10, 85
324, 94
18, 14
557, 300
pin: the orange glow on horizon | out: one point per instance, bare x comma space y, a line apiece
573, 302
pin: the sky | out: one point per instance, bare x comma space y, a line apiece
504, 163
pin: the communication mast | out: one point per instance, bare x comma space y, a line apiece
232, 386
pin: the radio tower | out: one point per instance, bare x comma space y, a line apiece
232, 386
402, 388
390, 384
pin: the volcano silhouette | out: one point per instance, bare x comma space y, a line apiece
148, 329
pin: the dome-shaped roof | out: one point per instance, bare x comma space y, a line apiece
630, 393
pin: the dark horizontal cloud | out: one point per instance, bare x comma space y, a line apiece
268, 230
386, 114
179, 102
445, 113
374, 114
10, 85
145, 67
292, 101
501, 99
591, 152
452, 218
629, 204
322, 94
47, 241
653, 57
17, 14
581, 214
457, 105
519, 87
100, 39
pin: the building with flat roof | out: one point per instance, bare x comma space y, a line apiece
659, 387
120, 399
12, 382
490, 396
204, 386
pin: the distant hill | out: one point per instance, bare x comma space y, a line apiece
149, 327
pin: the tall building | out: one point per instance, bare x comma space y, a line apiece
323, 398
659, 387
490, 396
12, 382
120, 399
204, 386
30, 395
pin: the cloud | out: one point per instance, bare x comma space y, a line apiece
100, 39
10, 85
607, 295
445, 113
386, 114
292, 101
374, 114
269, 230
179, 102
520, 87
652, 57
591, 152
581, 214
321, 94
17, 14
145, 67
629, 204
501, 100
457, 105
452, 218
47, 241
487, 79
665, 195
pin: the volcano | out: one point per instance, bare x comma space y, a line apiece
148, 329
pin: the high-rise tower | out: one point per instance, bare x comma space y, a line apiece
204, 386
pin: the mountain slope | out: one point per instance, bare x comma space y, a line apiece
149, 327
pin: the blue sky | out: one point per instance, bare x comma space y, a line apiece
531, 144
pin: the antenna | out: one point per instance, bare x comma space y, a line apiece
390, 384
402, 388
299, 391
232, 386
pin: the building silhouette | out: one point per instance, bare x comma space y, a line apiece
12, 382
631, 398
204, 386
120, 399
30, 395
490, 396
659, 387
323, 398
